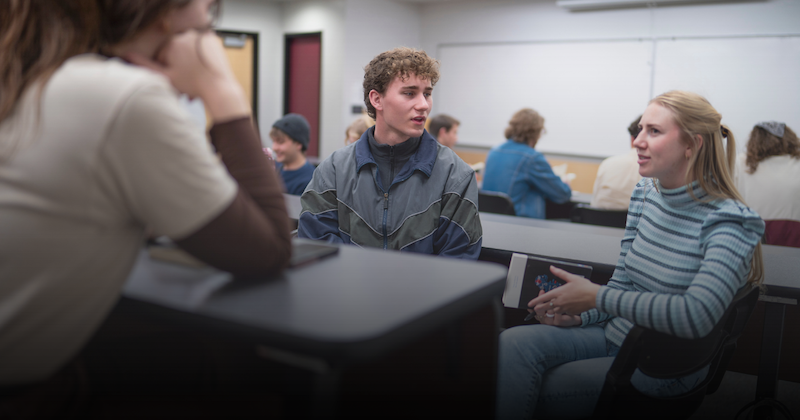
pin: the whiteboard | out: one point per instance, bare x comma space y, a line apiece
590, 91
747, 80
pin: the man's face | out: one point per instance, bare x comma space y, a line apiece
448, 138
287, 151
402, 110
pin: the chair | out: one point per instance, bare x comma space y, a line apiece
662, 355
583, 213
495, 202
782, 232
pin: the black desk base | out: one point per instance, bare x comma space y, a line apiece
148, 366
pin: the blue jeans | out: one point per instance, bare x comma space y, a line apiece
568, 390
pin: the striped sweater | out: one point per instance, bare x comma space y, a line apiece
681, 263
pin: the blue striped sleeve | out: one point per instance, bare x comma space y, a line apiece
619, 280
728, 237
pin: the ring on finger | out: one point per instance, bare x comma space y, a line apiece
551, 315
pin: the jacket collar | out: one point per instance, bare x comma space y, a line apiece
423, 159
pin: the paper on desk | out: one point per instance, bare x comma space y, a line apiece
174, 255
190, 282
561, 171
477, 167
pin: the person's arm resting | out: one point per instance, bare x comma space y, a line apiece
727, 240
619, 280
251, 236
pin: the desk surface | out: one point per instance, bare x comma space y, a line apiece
581, 245
782, 269
356, 303
594, 244
553, 224
598, 245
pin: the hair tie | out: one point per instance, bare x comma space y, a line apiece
725, 131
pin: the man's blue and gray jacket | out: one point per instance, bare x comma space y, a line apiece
431, 206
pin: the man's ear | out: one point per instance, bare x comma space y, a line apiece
442, 130
375, 100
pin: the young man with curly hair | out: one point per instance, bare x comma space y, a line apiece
397, 187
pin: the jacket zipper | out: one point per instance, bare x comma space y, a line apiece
385, 213
386, 198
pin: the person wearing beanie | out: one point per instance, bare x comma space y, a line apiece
290, 136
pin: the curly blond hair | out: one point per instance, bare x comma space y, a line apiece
763, 144
402, 62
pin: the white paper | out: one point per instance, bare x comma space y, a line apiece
516, 272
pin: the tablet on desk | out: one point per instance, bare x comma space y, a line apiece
305, 252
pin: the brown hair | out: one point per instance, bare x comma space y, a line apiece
711, 162
38, 36
402, 62
634, 128
763, 144
526, 126
442, 121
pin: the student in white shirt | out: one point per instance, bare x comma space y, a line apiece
617, 176
768, 177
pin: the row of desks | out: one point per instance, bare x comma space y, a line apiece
363, 304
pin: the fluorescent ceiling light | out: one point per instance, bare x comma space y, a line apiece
607, 4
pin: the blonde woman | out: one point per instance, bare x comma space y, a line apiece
689, 246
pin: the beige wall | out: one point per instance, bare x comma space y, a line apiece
585, 172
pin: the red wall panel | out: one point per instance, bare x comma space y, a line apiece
303, 74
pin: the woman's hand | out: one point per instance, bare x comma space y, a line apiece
196, 64
575, 296
548, 316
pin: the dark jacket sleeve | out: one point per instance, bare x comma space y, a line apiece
320, 216
460, 234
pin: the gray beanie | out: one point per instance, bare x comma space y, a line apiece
296, 127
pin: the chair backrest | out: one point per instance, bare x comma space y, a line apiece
583, 213
662, 355
782, 232
657, 357
495, 202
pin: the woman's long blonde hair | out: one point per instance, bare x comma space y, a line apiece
711, 162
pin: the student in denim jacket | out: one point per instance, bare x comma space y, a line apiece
517, 169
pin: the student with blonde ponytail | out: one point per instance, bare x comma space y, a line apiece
689, 245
